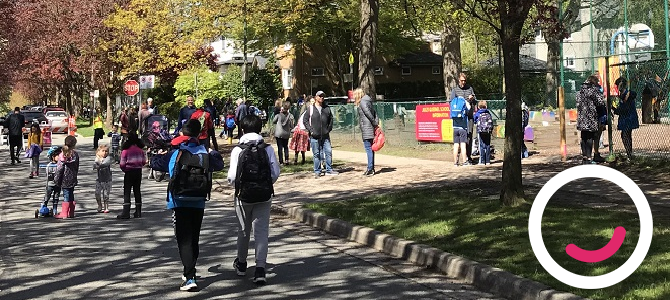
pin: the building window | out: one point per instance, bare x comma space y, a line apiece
437, 70
287, 78
406, 70
379, 70
569, 62
318, 72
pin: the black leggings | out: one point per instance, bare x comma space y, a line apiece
187, 222
132, 180
627, 139
282, 148
587, 143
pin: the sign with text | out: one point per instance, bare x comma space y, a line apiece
433, 123
147, 82
131, 88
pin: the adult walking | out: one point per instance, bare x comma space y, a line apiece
144, 116
241, 111
185, 113
628, 119
283, 123
98, 131
368, 122
465, 91
151, 107
319, 122
214, 118
14, 124
588, 99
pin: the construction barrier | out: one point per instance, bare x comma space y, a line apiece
71, 126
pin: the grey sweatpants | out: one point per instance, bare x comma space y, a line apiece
258, 216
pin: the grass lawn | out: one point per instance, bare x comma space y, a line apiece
471, 223
84, 127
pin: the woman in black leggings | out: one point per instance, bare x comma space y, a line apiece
588, 98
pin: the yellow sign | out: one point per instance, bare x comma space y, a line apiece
447, 130
351, 58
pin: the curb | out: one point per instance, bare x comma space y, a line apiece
484, 277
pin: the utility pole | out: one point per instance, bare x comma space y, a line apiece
244, 68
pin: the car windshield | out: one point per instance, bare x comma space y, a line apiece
32, 115
56, 115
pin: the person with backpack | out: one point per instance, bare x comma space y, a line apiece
205, 120
319, 123
253, 171
190, 167
15, 123
228, 127
132, 161
458, 111
368, 122
465, 91
213, 115
484, 122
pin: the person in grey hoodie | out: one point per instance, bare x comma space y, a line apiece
283, 123
368, 122
256, 214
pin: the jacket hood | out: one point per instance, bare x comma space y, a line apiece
251, 137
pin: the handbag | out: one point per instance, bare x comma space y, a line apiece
379, 140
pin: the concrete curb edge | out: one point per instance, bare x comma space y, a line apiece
484, 277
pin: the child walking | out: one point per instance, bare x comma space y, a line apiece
35, 143
253, 194
132, 162
229, 126
116, 140
103, 183
66, 177
53, 191
283, 123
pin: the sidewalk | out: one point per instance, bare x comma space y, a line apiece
96, 256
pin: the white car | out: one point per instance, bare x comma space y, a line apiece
57, 118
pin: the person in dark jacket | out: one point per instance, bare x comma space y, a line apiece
588, 99
464, 90
628, 119
14, 124
185, 113
319, 122
241, 111
213, 115
187, 214
368, 122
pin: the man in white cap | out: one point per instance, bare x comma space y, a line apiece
319, 122
151, 107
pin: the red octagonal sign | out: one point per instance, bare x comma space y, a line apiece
131, 88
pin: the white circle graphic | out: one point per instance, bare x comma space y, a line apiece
535, 225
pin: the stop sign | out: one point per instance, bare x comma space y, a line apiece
131, 88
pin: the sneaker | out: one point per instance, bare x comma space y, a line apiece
317, 175
332, 173
481, 164
370, 172
259, 276
189, 285
455, 164
240, 268
467, 163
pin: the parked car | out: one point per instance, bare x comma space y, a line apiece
51, 108
57, 118
33, 116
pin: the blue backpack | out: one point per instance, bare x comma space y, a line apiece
230, 123
458, 107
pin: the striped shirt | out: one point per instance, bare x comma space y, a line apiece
132, 158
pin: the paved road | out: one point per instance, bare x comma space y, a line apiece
96, 256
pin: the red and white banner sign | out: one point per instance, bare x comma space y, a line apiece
433, 123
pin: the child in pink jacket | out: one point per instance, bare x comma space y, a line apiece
132, 161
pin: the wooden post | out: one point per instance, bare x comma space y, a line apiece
561, 111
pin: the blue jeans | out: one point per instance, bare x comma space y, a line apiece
68, 194
371, 154
318, 150
484, 148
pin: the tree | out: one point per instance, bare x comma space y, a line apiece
507, 18
366, 57
200, 83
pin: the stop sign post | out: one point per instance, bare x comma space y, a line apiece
131, 88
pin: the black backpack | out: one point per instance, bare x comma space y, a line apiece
191, 179
253, 181
485, 123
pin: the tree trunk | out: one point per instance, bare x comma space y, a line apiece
553, 55
109, 116
512, 186
366, 65
451, 56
